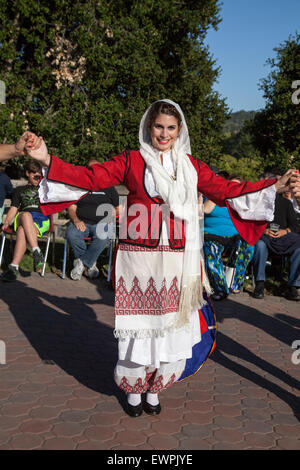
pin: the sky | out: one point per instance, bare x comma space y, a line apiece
246, 38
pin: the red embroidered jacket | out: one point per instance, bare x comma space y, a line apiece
129, 168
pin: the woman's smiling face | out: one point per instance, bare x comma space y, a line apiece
164, 131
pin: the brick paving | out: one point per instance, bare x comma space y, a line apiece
57, 389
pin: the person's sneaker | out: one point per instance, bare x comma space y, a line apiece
38, 259
77, 271
259, 290
92, 272
10, 275
292, 293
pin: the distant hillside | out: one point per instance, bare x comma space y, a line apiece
236, 121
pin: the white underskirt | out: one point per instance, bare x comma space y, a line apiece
153, 351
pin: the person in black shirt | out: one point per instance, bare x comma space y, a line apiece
282, 238
289, 196
86, 221
29, 222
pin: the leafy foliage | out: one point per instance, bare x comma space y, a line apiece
248, 168
239, 144
236, 121
82, 73
275, 129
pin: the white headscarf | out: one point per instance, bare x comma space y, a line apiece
182, 197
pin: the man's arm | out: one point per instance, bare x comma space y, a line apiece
79, 224
10, 217
8, 151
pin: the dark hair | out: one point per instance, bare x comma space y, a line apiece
275, 170
268, 175
32, 166
224, 174
161, 107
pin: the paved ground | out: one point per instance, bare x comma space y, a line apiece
57, 390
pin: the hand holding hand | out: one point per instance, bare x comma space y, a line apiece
21, 144
295, 185
37, 149
282, 184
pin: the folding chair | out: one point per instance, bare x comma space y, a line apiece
66, 255
87, 239
47, 235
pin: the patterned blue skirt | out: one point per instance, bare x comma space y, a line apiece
202, 350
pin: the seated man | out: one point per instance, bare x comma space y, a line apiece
280, 238
29, 222
85, 223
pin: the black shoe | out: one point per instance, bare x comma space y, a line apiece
152, 409
219, 296
292, 293
259, 290
10, 275
38, 259
134, 411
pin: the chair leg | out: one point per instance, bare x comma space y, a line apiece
252, 274
2, 248
64, 260
53, 249
110, 248
46, 254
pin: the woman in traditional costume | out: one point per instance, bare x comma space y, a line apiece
164, 321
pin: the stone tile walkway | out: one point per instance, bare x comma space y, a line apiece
57, 389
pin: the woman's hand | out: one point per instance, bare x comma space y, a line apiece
37, 149
295, 186
283, 182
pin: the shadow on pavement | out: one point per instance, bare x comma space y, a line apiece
66, 332
275, 327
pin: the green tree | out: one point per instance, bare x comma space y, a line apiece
239, 144
249, 168
82, 73
275, 129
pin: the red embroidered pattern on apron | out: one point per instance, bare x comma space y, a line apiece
142, 249
150, 302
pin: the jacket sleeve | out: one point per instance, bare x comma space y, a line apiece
65, 184
99, 176
250, 213
218, 190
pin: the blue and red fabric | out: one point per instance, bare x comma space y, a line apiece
202, 350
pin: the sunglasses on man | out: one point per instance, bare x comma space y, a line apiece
37, 177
